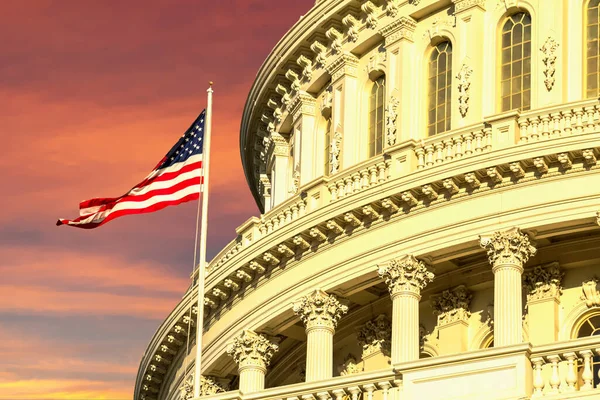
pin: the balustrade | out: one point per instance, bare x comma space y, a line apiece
359, 178
566, 367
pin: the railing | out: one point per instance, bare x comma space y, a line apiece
359, 178
566, 367
361, 386
566, 120
282, 216
456, 144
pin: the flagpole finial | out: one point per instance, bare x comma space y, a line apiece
210, 83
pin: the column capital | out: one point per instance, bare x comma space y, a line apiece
543, 282
209, 385
405, 275
464, 5
452, 305
302, 104
319, 310
401, 29
252, 350
510, 247
375, 335
345, 64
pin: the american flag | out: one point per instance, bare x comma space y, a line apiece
175, 179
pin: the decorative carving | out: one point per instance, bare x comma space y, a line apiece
408, 198
251, 349
510, 247
462, 5
306, 65
390, 121
450, 186
345, 64
326, 102
549, 59
318, 234
285, 95
295, 180
391, 8
351, 25
589, 158
494, 174
543, 282
565, 161
472, 181
294, 79
319, 309
399, 29
375, 335
464, 83
208, 386
452, 305
591, 293
335, 148
369, 9
540, 164
335, 37
414, 2
350, 366
320, 52
405, 274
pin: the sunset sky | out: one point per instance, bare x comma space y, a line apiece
92, 95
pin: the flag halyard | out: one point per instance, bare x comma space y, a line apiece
177, 178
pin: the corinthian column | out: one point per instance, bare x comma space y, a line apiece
320, 313
252, 352
405, 278
507, 251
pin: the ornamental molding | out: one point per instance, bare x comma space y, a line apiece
401, 29
335, 37
376, 64
370, 11
352, 26
405, 275
252, 350
302, 104
320, 53
280, 145
390, 120
438, 24
507, 248
208, 386
295, 180
452, 305
306, 65
549, 59
319, 310
591, 292
375, 335
391, 8
464, 84
335, 150
294, 79
345, 64
350, 366
464, 5
543, 282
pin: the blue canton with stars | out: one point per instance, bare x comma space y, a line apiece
188, 145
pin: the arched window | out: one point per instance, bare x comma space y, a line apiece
591, 327
440, 89
515, 72
592, 37
327, 155
376, 117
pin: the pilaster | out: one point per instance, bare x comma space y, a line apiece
320, 313
401, 62
252, 352
468, 68
344, 82
375, 337
507, 252
405, 278
543, 287
280, 164
452, 309
303, 110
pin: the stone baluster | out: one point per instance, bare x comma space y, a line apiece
370, 389
571, 378
554, 377
320, 313
538, 377
567, 118
587, 375
252, 352
545, 127
429, 155
405, 278
385, 389
507, 252
420, 152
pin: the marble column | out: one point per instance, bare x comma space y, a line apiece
452, 309
405, 278
507, 252
320, 313
543, 287
252, 352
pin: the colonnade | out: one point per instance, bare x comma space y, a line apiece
405, 278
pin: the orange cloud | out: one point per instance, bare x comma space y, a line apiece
64, 390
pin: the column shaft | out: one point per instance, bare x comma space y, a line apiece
319, 354
252, 379
405, 327
508, 305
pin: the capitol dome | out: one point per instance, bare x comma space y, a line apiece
429, 189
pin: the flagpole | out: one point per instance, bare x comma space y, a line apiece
203, 231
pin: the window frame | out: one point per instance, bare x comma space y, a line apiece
449, 87
372, 152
